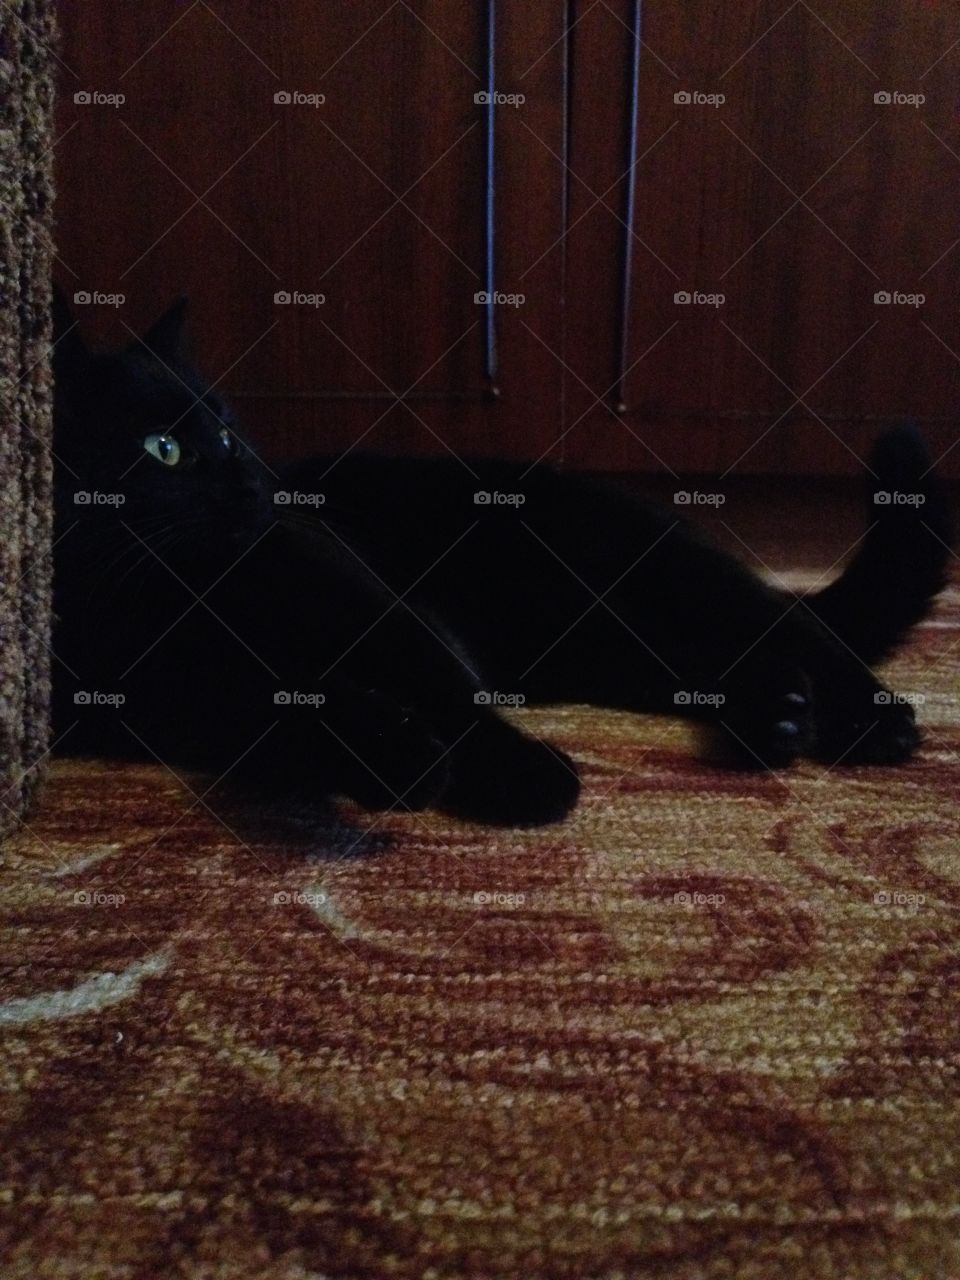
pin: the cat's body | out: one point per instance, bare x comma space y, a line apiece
397, 612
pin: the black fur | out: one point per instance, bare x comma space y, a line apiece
413, 611
901, 565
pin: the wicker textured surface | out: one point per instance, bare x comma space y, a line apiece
297, 1047
26, 33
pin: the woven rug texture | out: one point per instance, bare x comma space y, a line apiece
707, 1028
26, 38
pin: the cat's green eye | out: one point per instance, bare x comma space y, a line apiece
164, 448
226, 439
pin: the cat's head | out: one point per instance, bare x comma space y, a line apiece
144, 445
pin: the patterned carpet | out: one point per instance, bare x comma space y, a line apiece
710, 1027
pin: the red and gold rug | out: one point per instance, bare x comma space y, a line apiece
710, 1027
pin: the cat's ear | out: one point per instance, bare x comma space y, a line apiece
71, 356
165, 336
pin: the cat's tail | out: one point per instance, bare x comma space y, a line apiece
901, 565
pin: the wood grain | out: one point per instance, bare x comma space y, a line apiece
374, 199
798, 199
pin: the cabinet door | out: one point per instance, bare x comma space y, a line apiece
764, 255
330, 186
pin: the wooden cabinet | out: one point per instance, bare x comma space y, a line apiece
767, 173
631, 154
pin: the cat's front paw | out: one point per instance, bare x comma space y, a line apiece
882, 731
770, 727
523, 783
396, 762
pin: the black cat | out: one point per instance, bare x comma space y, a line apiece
353, 626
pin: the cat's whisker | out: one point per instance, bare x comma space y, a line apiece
107, 568
149, 545
144, 554
315, 524
161, 542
